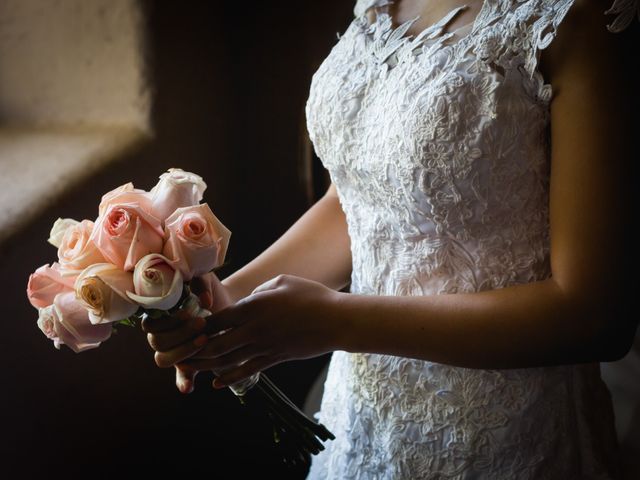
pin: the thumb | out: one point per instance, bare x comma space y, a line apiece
201, 287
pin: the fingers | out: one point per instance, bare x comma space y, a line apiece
254, 365
185, 377
179, 353
226, 343
166, 340
227, 318
223, 362
153, 325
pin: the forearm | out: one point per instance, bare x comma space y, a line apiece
515, 327
316, 247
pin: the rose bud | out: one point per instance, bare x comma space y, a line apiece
77, 251
125, 233
125, 194
195, 240
58, 230
176, 189
101, 289
47, 282
157, 284
66, 322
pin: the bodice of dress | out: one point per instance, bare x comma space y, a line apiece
438, 147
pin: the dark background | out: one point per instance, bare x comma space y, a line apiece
230, 83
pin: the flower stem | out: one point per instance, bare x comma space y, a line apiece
296, 435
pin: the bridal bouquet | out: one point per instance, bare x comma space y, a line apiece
136, 260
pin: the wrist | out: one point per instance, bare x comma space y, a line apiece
341, 326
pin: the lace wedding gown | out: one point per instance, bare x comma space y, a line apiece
437, 146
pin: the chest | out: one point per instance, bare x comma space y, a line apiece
381, 89
427, 12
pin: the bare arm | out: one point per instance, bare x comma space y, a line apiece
316, 247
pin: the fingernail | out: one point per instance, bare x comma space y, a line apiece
200, 340
218, 384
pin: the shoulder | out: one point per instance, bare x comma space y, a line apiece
362, 6
585, 45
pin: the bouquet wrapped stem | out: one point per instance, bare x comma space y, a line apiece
297, 436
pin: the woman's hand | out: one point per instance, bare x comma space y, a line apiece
168, 332
285, 318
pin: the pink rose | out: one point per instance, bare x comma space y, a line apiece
66, 322
102, 290
125, 233
157, 284
77, 251
176, 189
195, 240
125, 194
47, 282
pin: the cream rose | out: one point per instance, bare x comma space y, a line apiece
195, 240
102, 288
66, 322
47, 282
176, 189
126, 194
125, 233
77, 250
58, 230
157, 285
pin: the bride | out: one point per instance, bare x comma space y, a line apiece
480, 155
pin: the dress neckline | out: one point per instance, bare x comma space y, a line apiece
387, 40
399, 31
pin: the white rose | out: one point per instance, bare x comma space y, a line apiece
77, 251
58, 230
157, 284
176, 189
102, 288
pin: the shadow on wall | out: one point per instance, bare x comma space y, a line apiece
229, 91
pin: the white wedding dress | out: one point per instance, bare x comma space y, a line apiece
437, 145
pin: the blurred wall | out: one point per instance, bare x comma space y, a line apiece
72, 62
230, 80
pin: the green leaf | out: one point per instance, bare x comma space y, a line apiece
129, 322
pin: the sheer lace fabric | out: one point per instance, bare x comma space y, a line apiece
437, 145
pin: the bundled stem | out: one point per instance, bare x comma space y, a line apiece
297, 435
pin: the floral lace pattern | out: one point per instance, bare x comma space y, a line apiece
437, 145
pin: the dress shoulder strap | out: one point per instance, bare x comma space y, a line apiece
625, 10
543, 17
